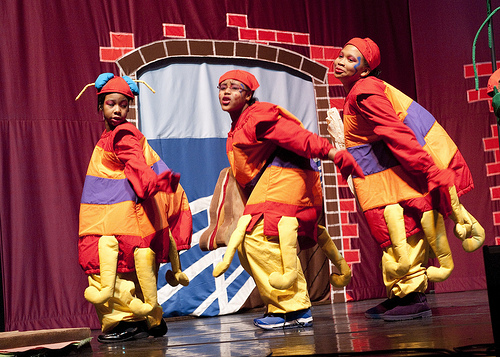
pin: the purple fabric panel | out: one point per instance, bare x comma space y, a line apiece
374, 157
419, 120
290, 160
104, 191
159, 167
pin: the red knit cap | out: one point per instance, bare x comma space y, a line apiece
243, 76
117, 85
368, 49
493, 82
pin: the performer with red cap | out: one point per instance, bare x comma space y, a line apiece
270, 153
414, 174
134, 215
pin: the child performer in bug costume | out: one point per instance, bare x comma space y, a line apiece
414, 174
270, 156
133, 215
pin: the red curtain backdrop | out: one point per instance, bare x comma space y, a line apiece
51, 49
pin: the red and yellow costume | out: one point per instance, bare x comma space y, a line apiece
399, 145
129, 193
270, 155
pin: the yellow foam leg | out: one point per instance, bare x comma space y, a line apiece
435, 233
234, 242
108, 260
287, 229
145, 268
176, 275
330, 249
394, 219
467, 228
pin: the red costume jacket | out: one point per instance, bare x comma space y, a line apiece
396, 142
129, 192
270, 154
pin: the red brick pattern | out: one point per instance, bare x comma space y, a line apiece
485, 69
121, 43
174, 30
236, 20
320, 54
245, 33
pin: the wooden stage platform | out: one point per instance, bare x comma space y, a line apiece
460, 325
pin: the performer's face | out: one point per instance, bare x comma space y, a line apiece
350, 65
115, 109
233, 96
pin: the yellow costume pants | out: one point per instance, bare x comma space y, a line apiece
260, 255
116, 308
416, 279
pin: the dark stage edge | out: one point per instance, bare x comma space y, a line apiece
460, 326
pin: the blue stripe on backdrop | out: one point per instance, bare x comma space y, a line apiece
198, 160
204, 296
200, 221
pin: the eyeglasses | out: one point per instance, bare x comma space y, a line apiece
233, 87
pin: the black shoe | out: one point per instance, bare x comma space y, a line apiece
159, 330
412, 306
386, 305
125, 331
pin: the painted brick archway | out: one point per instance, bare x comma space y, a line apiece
337, 209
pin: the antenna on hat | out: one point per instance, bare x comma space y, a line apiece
83, 90
93, 84
147, 85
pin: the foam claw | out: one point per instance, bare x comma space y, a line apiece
475, 238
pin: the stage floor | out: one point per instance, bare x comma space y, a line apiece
459, 321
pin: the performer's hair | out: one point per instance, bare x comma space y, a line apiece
375, 72
253, 100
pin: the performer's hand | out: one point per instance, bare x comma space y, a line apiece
346, 163
444, 178
439, 182
168, 181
